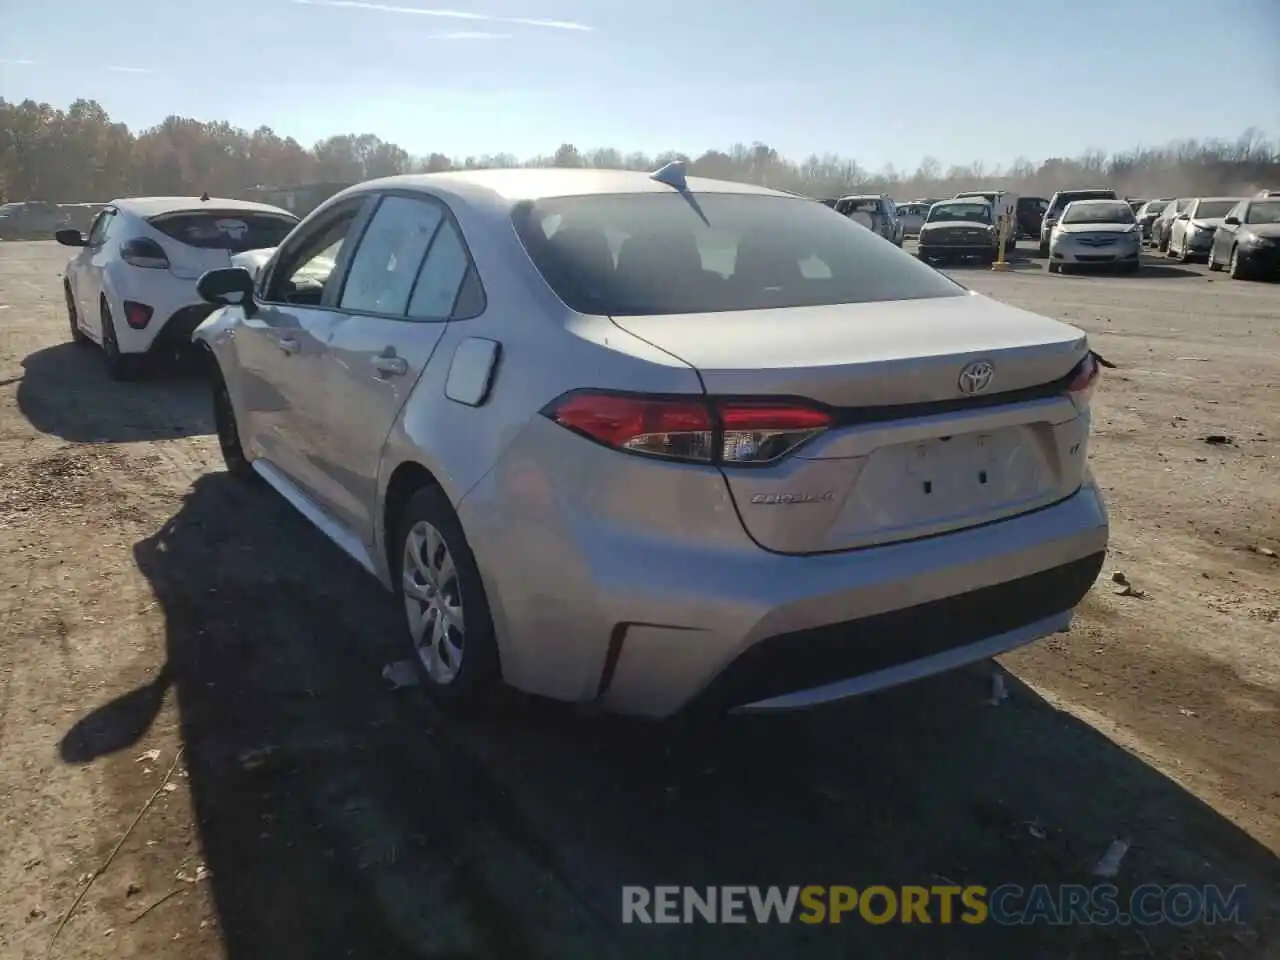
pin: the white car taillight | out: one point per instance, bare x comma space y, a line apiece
144, 252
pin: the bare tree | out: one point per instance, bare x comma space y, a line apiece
80, 154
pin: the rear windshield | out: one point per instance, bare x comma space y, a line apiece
234, 231
1098, 213
1215, 208
960, 210
1155, 206
641, 254
849, 206
1061, 201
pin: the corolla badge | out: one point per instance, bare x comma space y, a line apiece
786, 499
976, 377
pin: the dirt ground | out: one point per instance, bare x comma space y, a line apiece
199, 757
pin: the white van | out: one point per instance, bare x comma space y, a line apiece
1004, 205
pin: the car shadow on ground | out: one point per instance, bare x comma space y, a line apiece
340, 818
65, 391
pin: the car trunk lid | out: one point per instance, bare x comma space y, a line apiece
910, 453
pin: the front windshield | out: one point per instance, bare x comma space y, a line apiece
1098, 213
1268, 211
1061, 202
1213, 209
953, 212
652, 253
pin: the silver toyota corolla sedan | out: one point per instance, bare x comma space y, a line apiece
657, 442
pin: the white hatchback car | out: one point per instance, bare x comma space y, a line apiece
132, 286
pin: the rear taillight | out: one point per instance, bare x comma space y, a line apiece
136, 315
144, 252
1084, 378
712, 430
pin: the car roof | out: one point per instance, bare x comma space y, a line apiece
1091, 201
155, 206
1202, 199
504, 188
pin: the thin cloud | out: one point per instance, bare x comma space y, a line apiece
18, 63
130, 70
469, 35
451, 14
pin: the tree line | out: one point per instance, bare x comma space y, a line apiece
81, 155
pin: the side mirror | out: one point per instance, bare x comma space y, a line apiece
1184, 216
1232, 221
227, 287
70, 238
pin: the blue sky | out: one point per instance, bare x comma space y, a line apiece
881, 82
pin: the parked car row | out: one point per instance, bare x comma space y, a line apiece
31, 220
897, 219
653, 442
1238, 234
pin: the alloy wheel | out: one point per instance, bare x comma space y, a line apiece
433, 602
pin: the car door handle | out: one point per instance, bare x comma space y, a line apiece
289, 345
391, 366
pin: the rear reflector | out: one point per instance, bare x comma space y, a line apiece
691, 429
144, 252
136, 315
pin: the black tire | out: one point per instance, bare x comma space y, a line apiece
478, 675
1055, 267
120, 366
1044, 249
1211, 263
1236, 269
77, 335
224, 419
1132, 267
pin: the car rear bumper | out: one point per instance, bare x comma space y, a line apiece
176, 309
647, 622
174, 335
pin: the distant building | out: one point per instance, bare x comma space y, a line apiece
299, 199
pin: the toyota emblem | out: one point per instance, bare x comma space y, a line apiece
976, 377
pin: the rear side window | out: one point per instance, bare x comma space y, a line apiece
632, 255
232, 230
441, 277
